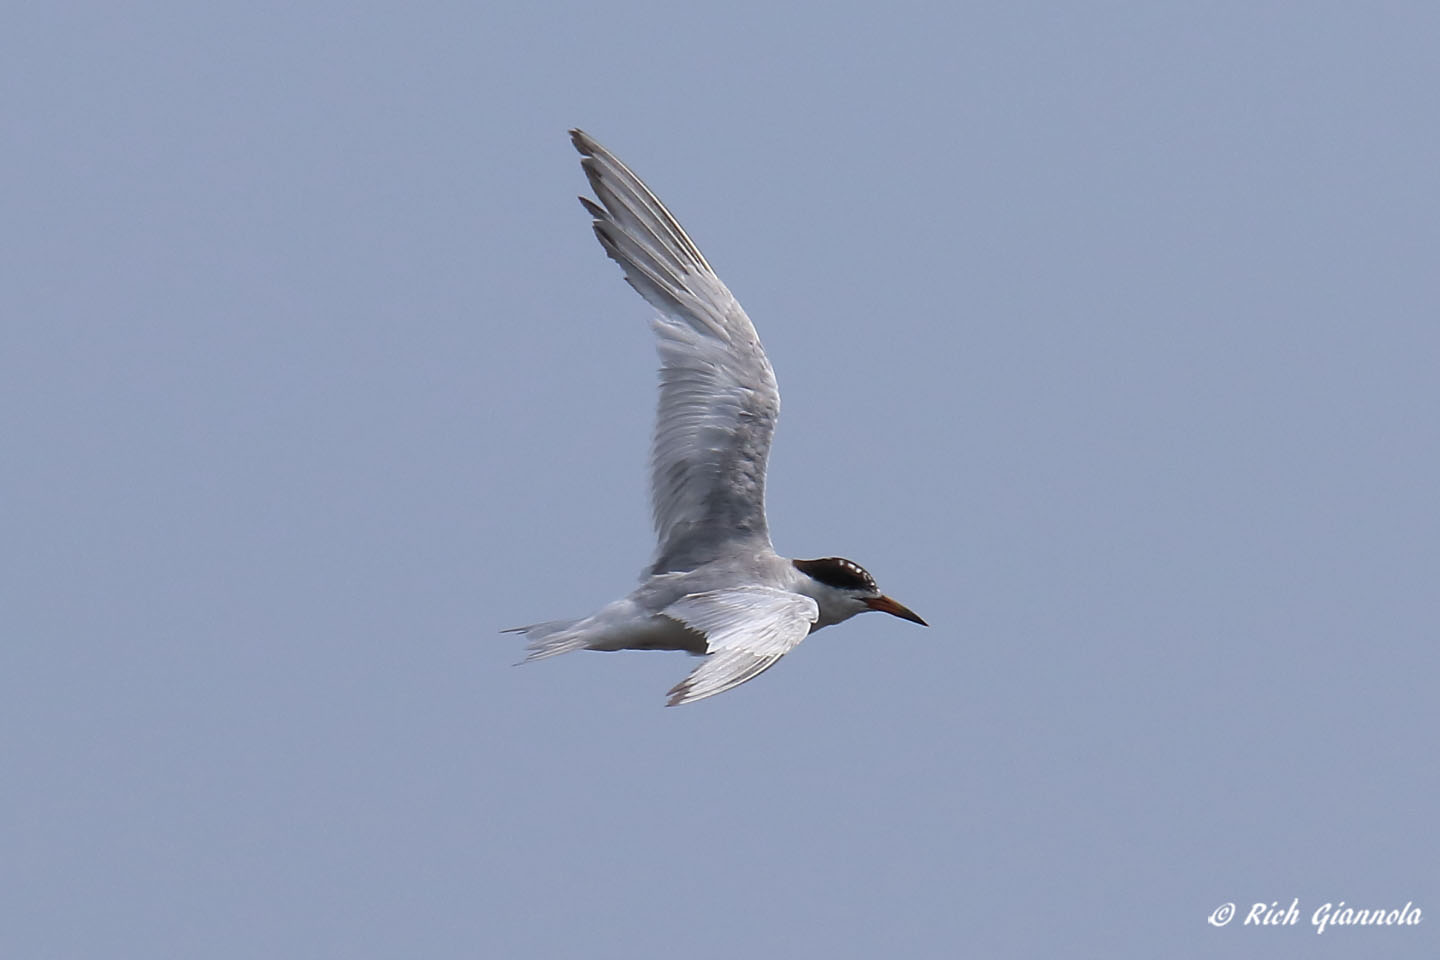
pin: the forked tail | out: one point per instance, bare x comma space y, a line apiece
550, 638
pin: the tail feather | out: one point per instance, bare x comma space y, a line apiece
549, 639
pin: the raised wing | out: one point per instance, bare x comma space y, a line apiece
718, 398
747, 629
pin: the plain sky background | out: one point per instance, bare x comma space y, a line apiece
1108, 336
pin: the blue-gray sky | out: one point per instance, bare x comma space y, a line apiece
1108, 341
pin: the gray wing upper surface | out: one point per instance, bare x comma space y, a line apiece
718, 397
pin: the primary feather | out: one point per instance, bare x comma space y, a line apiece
718, 397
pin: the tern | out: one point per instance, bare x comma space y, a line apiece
716, 587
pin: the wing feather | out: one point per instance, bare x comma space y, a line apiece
718, 397
747, 630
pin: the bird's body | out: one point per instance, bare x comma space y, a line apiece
716, 587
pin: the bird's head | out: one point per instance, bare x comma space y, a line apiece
842, 588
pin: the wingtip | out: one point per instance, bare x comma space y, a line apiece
683, 693
583, 141
592, 208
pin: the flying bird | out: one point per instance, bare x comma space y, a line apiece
716, 587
